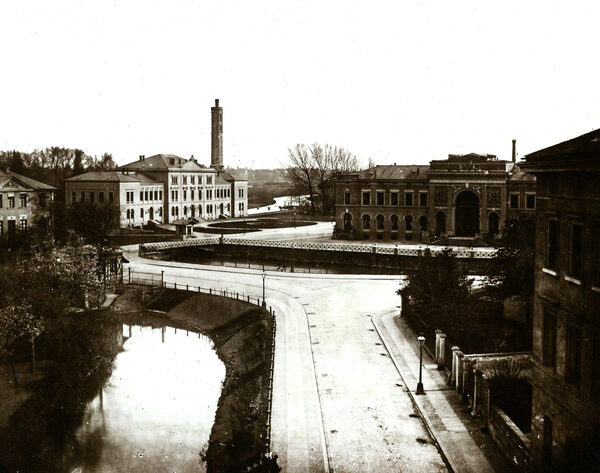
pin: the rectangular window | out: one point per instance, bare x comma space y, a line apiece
394, 198
549, 341
423, 199
146, 196
366, 197
142, 214
159, 195
552, 245
192, 194
380, 197
155, 195
573, 371
92, 197
576, 256
42, 199
209, 180
100, 196
141, 196
82, 197
184, 194
514, 201
174, 180
347, 198
193, 180
176, 195
23, 200
11, 201
408, 199
184, 180
23, 224
530, 201
111, 197
73, 196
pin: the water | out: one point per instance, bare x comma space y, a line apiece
157, 409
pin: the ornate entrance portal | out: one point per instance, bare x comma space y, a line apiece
467, 214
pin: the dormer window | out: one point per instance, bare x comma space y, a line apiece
172, 161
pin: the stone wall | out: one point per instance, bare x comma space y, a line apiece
514, 444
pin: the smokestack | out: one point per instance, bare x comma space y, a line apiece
216, 154
514, 152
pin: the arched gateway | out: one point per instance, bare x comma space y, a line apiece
467, 214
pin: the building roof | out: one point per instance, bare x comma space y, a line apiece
25, 181
107, 176
580, 153
395, 172
163, 162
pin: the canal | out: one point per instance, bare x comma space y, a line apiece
156, 411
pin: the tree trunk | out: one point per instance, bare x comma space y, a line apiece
32, 355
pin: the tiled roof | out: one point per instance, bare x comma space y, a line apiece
162, 162
110, 176
394, 172
37, 185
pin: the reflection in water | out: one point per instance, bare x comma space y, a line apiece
157, 409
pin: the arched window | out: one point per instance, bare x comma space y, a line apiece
380, 221
394, 222
423, 223
192, 211
440, 222
142, 213
366, 222
347, 222
160, 211
185, 210
408, 223
199, 210
228, 208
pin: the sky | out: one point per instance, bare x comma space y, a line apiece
395, 81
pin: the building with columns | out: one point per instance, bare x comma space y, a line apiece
463, 196
166, 188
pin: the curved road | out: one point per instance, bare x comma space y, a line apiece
339, 404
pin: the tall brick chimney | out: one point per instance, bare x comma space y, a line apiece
216, 153
514, 152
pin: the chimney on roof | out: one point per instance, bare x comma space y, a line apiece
514, 152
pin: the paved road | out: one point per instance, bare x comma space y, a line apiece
339, 404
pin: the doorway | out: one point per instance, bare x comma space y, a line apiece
467, 214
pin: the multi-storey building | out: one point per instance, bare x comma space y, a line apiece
464, 195
139, 198
167, 188
566, 323
24, 202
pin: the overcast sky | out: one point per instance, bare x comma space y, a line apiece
398, 81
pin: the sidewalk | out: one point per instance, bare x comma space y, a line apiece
459, 436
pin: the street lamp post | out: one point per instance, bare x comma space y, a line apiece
264, 303
421, 340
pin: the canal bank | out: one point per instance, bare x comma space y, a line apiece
242, 335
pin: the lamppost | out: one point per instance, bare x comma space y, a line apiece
264, 303
421, 340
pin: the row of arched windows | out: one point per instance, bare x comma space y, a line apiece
130, 213
394, 222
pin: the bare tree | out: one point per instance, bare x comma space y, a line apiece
311, 166
301, 171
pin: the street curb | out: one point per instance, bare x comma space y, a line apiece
376, 319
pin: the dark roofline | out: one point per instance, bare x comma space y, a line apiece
37, 185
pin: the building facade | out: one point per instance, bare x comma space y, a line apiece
464, 196
566, 322
166, 188
24, 203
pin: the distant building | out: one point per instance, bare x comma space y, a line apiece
465, 195
166, 188
566, 323
24, 203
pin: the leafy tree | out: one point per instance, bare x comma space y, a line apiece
93, 221
16, 323
514, 258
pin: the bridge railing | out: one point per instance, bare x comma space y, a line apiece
319, 246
